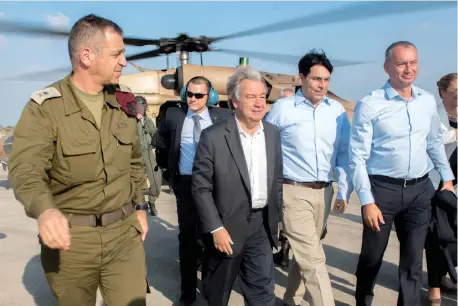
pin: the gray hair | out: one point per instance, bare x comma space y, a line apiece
89, 30
233, 83
284, 90
404, 43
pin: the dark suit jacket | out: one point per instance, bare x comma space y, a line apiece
443, 227
221, 183
168, 137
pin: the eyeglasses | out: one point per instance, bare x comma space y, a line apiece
198, 95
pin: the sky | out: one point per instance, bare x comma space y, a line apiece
434, 32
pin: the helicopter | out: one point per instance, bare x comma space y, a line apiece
161, 88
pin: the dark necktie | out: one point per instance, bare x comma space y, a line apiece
197, 128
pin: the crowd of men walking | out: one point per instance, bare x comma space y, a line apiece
81, 154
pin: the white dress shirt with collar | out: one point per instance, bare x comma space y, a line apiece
254, 150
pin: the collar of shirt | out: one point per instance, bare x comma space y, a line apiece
392, 94
241, 131
299, 98
205, 115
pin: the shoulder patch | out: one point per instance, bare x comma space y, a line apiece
124, 88
42, 95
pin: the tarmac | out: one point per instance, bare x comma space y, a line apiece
22, 281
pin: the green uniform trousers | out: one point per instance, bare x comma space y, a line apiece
154, 177
112, 257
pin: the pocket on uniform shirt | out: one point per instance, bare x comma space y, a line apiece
79, 155
123, 148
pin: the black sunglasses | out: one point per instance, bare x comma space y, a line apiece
197, 95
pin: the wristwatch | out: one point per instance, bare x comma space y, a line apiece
142, 207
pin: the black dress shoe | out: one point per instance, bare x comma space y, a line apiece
152, 209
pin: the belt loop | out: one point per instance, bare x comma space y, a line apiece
405, 183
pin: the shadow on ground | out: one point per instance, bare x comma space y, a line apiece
35, 283
164, 274
5, 184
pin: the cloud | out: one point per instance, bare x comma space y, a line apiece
2, 14
58, 21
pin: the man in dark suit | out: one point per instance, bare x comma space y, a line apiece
176, 142
237, 187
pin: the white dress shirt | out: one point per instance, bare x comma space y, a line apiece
254, 149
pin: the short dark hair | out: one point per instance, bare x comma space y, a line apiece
312, 58
89, 29
445, 81
403, 43
200, 80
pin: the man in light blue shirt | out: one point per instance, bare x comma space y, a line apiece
395, 135
314, 133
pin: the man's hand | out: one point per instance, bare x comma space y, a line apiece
54, 229
222, 241
142, 217
139, 116
340, 206
372, 215
448, 186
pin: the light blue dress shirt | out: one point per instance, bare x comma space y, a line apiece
187, 146
395, 138
314, 140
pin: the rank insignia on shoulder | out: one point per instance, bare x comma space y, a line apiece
42, 95
127, 102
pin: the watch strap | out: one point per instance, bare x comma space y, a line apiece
141, 207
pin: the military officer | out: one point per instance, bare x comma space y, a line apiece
146, 131
76, 167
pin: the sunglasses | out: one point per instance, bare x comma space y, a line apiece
197, 95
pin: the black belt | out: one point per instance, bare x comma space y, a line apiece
399, 181
313, 185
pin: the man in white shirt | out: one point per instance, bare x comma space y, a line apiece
237, 187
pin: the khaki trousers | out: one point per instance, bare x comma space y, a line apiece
305, 212
112, 257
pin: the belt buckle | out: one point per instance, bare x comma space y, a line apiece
98, 220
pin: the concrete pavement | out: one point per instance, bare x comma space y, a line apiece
22, 281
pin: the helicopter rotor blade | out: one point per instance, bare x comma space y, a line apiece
143, 55
37, 29
346, 13
39, 76
140, 42
285, 58
31, 29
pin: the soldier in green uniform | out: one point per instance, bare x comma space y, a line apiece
76, 167
146, 131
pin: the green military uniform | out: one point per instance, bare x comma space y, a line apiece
146, 131
84, 158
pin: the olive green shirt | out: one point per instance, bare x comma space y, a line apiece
61, 159
93, 102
